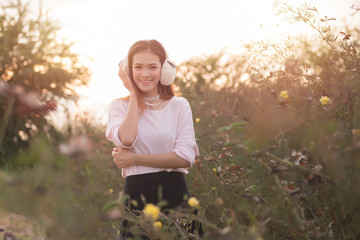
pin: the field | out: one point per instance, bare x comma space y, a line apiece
278, 128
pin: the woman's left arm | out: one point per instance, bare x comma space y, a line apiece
125, 158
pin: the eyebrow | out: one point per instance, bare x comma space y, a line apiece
143, 64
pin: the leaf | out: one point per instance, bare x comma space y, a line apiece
110, 206
347, 37
291, 189
238, 125
222, 129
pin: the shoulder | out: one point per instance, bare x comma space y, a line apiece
180, 103
179, 100
124, 99
120, 102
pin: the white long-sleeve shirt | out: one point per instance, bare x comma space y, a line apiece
169, 129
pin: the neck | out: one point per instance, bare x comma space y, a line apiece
152, 98
152, 102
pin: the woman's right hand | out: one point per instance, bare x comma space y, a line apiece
124, 76
123, 157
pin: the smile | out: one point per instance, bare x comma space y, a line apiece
146, 81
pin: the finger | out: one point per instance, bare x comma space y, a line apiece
118, 165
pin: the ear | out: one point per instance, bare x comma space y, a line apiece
168, 73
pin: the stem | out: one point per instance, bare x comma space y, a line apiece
5, 118
176, 224
300, 167
322, 35
293, 208
288, 200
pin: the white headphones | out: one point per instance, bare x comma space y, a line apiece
168, 71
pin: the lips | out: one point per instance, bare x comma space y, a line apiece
147, 82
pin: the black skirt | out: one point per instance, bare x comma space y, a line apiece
153, 188
156, 187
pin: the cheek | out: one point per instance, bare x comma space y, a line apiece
136, 75
157, 73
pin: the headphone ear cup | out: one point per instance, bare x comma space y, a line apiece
125, 65
168, 73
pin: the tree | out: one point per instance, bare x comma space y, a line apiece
36, 70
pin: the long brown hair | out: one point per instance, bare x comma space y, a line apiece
165, 92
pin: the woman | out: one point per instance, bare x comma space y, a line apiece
152, 129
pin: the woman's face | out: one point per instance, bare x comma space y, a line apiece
146, 70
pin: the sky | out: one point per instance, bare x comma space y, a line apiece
103, 31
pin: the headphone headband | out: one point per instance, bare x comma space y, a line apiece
168, 71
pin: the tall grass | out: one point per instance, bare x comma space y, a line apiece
279, 154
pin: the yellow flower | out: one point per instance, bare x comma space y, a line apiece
152, 211
197, 120
157, 224
214, 170
111, 190
324, 100
284, 95
193, 202
312, 144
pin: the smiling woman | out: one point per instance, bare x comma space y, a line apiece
153, 132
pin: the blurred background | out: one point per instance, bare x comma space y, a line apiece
274, 88
103, 32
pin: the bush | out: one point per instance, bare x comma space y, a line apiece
279, 153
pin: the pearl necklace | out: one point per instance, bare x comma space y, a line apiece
154, 104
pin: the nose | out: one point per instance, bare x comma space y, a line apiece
145, 73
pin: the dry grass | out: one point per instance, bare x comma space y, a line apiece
20, 226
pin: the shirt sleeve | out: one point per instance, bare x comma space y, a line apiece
117, 114
185, 143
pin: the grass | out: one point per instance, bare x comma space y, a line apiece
271, 165
22, 227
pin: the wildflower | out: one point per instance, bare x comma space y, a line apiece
284, 96
28, 102
324, 100
77, 146
219, 201
111, 190
197, 120
214, 170
152, 211
115, 213
193, 202
356, 132
157, 224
